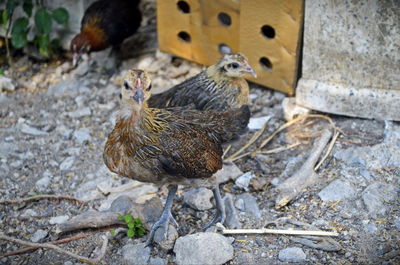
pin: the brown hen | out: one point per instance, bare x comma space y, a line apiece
104, 24
219, 87
155, 145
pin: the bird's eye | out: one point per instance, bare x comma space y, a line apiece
126, 85
233, 65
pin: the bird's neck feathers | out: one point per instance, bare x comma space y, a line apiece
95, 36
219, 76
140, 118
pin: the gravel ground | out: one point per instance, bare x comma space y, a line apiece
52, 134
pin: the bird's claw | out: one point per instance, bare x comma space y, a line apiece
161, 223
218, 218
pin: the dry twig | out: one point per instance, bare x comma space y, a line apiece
29, 249
305, 176
40, 197
60, 250
279, 231
330, 147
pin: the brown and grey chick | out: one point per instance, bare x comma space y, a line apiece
219, 87
157, 146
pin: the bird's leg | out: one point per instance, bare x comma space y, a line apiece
220, 215
166, 215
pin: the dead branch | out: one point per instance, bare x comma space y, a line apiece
29, 249
278, 231
91, 219
306, 175
60, 250
330, 147
40, 197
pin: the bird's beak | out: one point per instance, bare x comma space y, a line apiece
139, 95
75, 59
251, 71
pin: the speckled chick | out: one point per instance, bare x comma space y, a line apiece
219, 87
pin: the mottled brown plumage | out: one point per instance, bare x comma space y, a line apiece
158, 146
219, 87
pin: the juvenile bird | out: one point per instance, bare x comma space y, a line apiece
157, 146
104, 24
219, 87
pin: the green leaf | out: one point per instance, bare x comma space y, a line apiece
28, 6
4, 17
121, 217
18, 40
43, 42
19, 33
137, 221
131, 225
43, 21
140, 231
60, 15
128, 219
1, 72
20, 25
112, 232
130, 233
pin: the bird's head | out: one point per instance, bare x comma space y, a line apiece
136, 87
80, 45
235, 65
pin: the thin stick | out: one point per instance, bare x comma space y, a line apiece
39, 197
58, 242
60, 250
10, 62
279, 231
330, 147
226, 151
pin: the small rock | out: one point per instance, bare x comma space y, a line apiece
244, 180
232, 219
67, 163
6, 84
291, 110
258, 123
38, 235
157, 261
166, 243
239, 204
29, 213
259, 183
69, 87
203, 248
43, 183
82, 135
32, 131
58, 219
7, 149
337, 190
250, 205
371, 228
375, 196
228, 172
293, 254
137, 254
198, 199
80, 113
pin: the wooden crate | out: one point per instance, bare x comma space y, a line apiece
268, 32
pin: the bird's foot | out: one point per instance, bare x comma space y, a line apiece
163, 222
218, 218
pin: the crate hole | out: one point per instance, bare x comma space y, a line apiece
266, 64
184, 36
224, 19
183, 6
268, 31
224, 49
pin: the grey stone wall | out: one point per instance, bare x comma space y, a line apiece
351, 58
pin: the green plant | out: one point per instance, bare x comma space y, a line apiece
43, 22
135, 226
